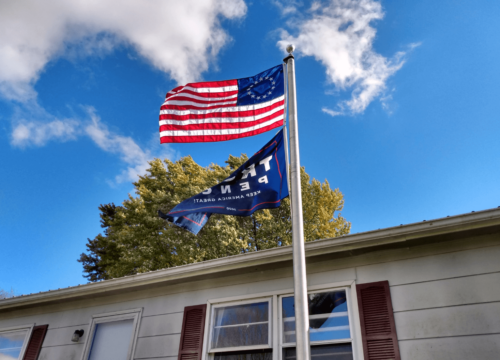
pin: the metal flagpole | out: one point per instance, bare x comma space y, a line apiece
299, 260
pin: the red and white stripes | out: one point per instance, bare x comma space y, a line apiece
208, 111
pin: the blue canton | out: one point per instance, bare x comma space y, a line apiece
262, 87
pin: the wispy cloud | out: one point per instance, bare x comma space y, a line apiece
340, 35
37, 133
331, 112
180, 38
286, 7
135, 158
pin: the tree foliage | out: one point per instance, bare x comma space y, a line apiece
136, 239
4, 294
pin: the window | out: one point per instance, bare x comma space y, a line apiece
239, 328
241, 331
329, 326
112, 336
13, 342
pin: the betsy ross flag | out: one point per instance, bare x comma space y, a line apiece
224, 110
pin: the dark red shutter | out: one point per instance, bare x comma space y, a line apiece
193, 327
380, 341
35, 343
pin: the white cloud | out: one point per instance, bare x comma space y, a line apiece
126, 148
340, 35
286, 7
180, 38
331, 112
38, 133
135, 158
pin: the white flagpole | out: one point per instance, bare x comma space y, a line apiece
299, 260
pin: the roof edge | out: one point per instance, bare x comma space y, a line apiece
374, 238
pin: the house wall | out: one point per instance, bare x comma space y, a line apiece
446, 300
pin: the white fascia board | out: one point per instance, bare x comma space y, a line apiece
402, 233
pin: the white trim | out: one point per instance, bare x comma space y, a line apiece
27, 337
351, 308
320, 316
206, 338
269, 344
135, 314
276, 326
357, 343
345, 340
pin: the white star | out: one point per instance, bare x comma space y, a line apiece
274, 82
267, 77
264, 96
258, 97
261, 79
269, 92
270, 78
251, 85
256, 82
253, 96
273, 87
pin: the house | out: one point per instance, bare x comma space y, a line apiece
429, 290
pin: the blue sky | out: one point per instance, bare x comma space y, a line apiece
398, 108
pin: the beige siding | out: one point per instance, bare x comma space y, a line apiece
157, 346
169, 324
472, 289
446, 300
482, 347
65, 352
449, 321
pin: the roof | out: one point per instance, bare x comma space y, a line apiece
442, 229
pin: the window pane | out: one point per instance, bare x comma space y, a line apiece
245, 355
328, 318
241, 325
325, 352
111, 340
11, 344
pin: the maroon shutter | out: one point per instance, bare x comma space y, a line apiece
35, 343
193, 327
380, 341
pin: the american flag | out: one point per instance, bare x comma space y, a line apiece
224, 110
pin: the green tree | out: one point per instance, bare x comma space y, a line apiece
137, 240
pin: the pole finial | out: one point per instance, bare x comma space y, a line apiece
290, 48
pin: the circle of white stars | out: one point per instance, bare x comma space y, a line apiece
258, 81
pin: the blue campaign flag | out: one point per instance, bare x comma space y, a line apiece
260, 183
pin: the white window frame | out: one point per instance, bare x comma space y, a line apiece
134, 314
28, 327
269, 344
275, 326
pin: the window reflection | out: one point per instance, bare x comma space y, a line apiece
11, 344
241, 325
328, 317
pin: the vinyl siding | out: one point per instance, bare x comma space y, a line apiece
446, 300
